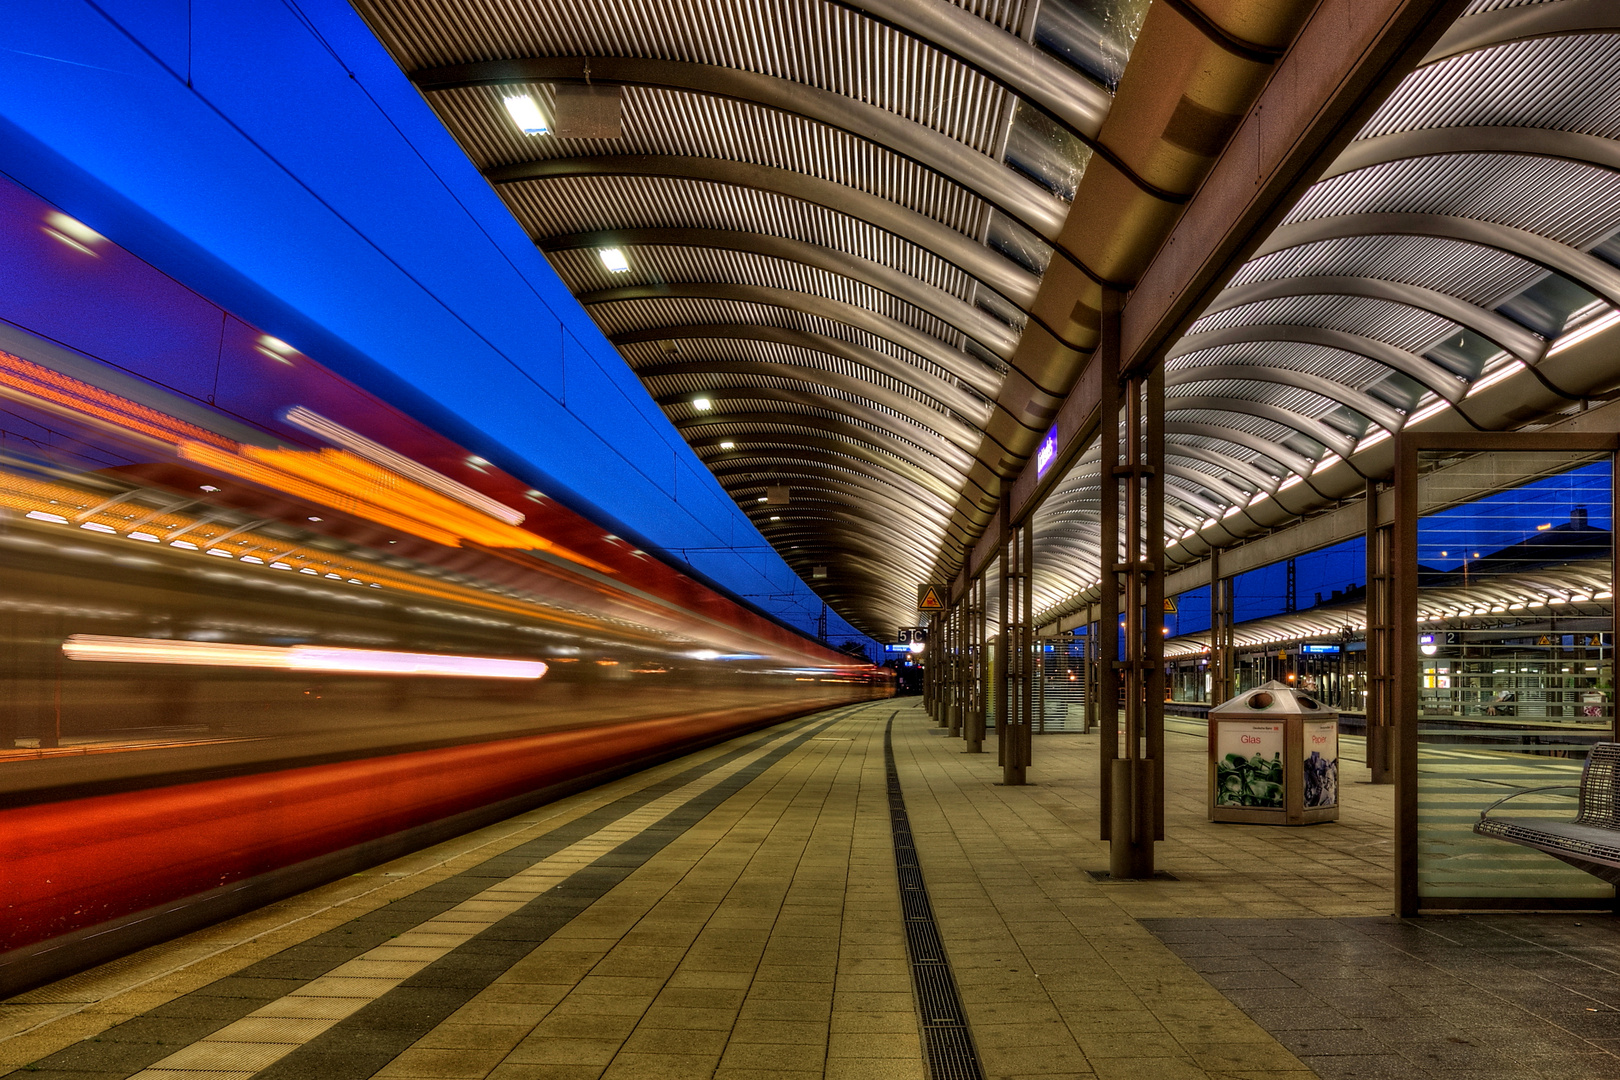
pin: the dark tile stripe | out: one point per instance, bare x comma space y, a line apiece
1437, 998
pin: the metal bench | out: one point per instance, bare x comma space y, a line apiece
1592, 841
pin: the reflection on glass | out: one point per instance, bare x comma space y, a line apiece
1093, 35
1516, 661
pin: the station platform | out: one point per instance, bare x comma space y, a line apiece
752, 911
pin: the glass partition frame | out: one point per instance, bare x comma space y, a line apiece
1407, 656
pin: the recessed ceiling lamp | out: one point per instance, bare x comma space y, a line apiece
702, 404
728, 445
614, 260
72, 232
526, 114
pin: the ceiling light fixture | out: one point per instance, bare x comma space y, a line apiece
526, 114
728, 445
614, 260
702, 404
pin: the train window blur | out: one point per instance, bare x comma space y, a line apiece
172, 599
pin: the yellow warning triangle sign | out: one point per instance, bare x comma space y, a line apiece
928, 598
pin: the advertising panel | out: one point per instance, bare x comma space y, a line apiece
1248, 765
1321, 748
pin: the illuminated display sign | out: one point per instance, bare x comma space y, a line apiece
1046, 452
1319, 648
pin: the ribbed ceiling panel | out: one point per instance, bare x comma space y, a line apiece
663, 312
1348, 368
589, 204
1477, 274
583, 272
1543, 83
644, 354
1506, 189
1407, 327
698, 125
805, 41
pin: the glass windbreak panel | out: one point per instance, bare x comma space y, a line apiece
1516, 664
1063, 686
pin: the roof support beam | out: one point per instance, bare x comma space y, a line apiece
1505, 332
1340, 67
815, 431
1385, 416
974, 408
966, 254
1015, 63
927, 440
1428, 142
1346, 59
918, 412
1488, 28
822, 451
1336, 441
1425, 372
1586, 270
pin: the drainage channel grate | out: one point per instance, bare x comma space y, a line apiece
946, 1038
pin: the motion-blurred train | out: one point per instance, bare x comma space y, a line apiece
244, 654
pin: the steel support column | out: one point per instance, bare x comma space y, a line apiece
1380, 619
998, 677
973, 700
1222, 678
1018, 684
1136, 781
1109, 627
1093, 687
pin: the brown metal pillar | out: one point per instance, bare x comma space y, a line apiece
1019, 671
1093, 688
998, 676
973, 687
1151, 562
1108, 602
1136, 806
1404, 674
1222, 679
972, 667
1380, 616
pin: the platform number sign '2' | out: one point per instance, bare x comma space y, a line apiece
931, 597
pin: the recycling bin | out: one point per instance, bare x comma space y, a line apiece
1274, 758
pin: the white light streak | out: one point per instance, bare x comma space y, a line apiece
92, 647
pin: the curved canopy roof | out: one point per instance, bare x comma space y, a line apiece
1470, 232
834, 239
827, 225
1569, 590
